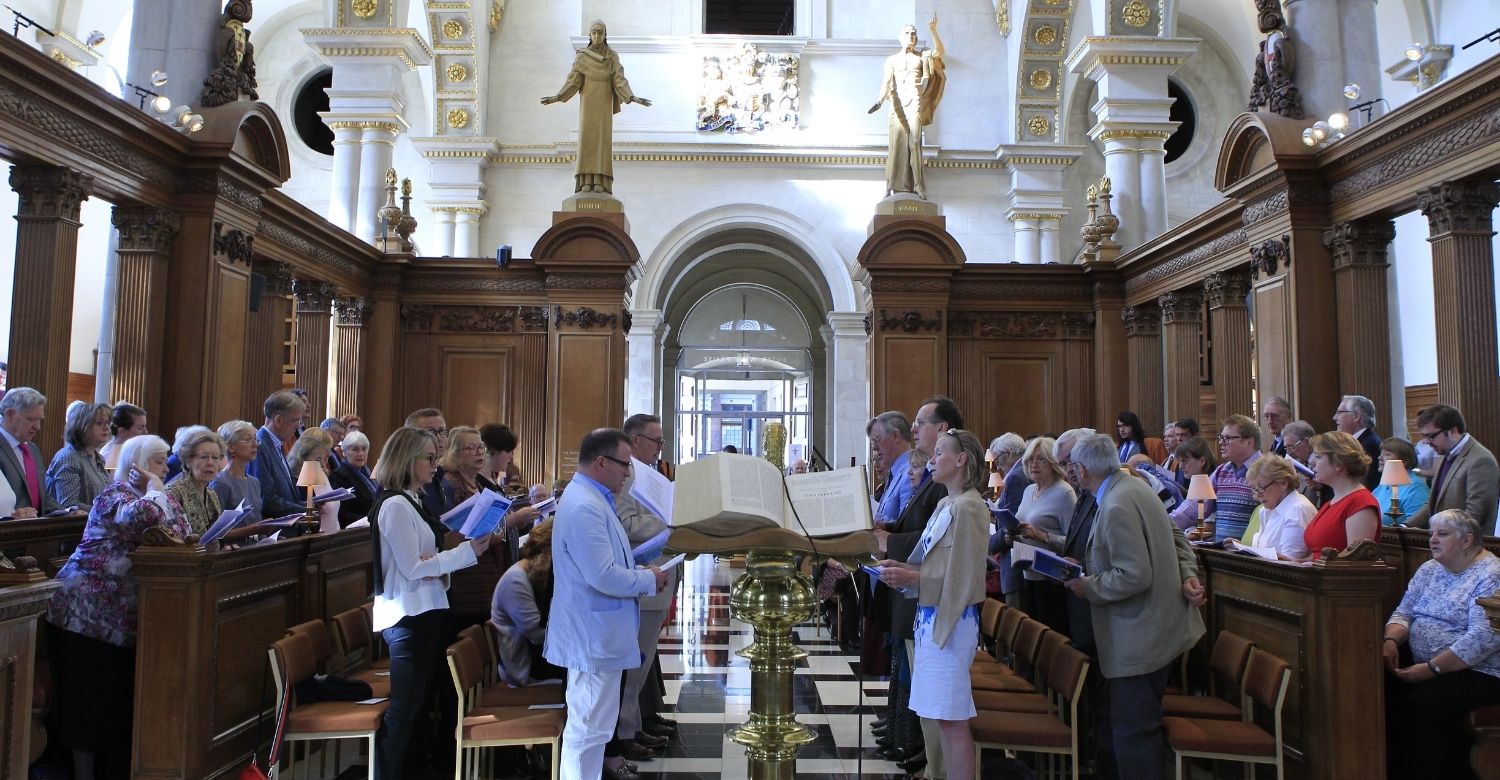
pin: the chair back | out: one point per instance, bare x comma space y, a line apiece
320, 641
1010, 623
1266, 680
468, 669
293, 659
1028, 643
1230, 658
1066, 672
1047, 655
989, 619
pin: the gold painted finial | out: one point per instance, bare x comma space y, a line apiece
390, 177
406, 187
1093, 193
1104, 185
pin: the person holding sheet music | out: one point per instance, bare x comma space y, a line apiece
93, 614
945, 573
640, 727
1045, 507
201, 451
235, 485
411, 600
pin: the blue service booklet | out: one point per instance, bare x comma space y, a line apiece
479, 514
650, 549
1044, 562
228, 521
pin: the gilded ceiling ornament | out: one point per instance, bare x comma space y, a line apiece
364, 9
1038, 125
1045, 35
1041, 79
1002, 17
457, 72
1136, 14
458, 118
497, 10
453, 28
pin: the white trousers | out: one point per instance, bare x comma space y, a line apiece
593, 708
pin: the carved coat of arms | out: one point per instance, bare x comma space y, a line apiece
748, 91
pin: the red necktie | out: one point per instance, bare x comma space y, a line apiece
32, 485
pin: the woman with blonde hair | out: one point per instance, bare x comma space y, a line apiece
522, 601
1282, 517
946, 575
314, 444
1339, 461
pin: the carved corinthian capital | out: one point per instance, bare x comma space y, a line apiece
313, 295
1360, 242
352, 312
1141, 320
50, 191
1226, 288
1459, 207
1181, 306
145, 228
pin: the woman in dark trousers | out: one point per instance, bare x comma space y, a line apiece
411, 600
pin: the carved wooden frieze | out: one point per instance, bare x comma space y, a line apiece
234, 244
1186, 262
212, 183
423, 282
473, 319
910, 321
583, 318
281, 234
587, 282
908, 284
45, 121
1078, 324
1018, 326
1261, 210
1271, 255
534, 318
1421, 152
416, 319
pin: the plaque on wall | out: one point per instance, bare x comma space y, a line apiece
748, 91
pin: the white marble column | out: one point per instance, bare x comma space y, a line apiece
1335, 43
1151, 155
1037, 197
444, 217
849, 386
1051, 239
642, 390
466, 231
377, 147
455, 185
1028, 240
183, 49
343, 202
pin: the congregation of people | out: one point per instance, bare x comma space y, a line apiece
571, 606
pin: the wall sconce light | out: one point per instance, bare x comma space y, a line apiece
1415, 51
1351, 91
95, 40
160, 103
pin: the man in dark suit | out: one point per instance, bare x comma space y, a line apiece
1468, 477
1356, 417
1134, 583
21, 414
284, 411
1276, 412
937, 415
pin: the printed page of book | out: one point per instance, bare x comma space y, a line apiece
829, 502
652, 489
751, 486
699, 499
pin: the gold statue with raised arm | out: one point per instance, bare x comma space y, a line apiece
913, 81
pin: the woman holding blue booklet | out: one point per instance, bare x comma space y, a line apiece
946, 573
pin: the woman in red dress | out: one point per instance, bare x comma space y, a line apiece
1339, 462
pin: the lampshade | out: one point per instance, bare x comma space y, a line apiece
1201, 489
997, 479
311, 474
1394, 473
989, 456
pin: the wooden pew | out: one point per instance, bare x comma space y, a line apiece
50, 540
206, 620
1325, 620
20, 609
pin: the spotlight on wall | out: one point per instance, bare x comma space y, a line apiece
158, 79
1415, 51
1308, 138
161, 104
1351, 91
185, 119
1339, 121
95, 40
1321, 130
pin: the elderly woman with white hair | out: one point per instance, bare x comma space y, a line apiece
1440, 629
354, 473
1007, 449
93, 613
77, 473
200, 451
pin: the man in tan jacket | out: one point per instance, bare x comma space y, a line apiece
1467, 477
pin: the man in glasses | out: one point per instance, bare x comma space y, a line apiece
1277, 412
595, 616
1239, 446
641, 728
431, 420
1467, 477
1356, 417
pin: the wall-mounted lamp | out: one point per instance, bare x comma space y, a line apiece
1415, 51
160, 103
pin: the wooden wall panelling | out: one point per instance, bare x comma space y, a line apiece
386, 366
226, 360
195, 305
1418, 397
80, 387
579, 398
314, 336
1014, 385
1229, 315
1144, 348
475, 382
1314, 326
1109, 358
21, 607
1360, 268
910, 369
528, 414
1274, 354
265, 337
1182, 324
145, 235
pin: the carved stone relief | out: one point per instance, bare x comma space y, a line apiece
583, 318
749, 91
910, 321
234, 244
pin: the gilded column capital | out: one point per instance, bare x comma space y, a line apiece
278, 276
1226, 288
1181, 306
1141, 320
1361, 242
1459, 207
352, 312
50, 190
313, 296
145, 228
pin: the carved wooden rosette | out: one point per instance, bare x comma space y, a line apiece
145, 244
1460, 216
41, 322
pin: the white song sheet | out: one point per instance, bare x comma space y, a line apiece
652, 489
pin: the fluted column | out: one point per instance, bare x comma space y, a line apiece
266, 335
1181, 332
1359, 251
1459, 217
1229, 322
1143, 345
140, 306
313, 302
352, 314
41, 315
343, 201
377, 148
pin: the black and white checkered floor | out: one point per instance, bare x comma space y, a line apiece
708, 691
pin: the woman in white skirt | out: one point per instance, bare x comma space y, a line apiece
946, 574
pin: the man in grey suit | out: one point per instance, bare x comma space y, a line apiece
1142, 623
1468, 477
21, 414
641, 525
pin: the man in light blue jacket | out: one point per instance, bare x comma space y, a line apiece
595, 613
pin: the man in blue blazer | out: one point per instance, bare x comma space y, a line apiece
595, 615
278, 485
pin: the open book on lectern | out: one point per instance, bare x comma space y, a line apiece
726, 495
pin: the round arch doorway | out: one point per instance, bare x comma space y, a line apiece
745, 360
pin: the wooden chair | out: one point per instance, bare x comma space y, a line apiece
475, 633
321, 640
1266, 682
352, 636
1046, 733
1227, 666
1023, 675
292, 661
481, 727
1021, 701
989, 630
